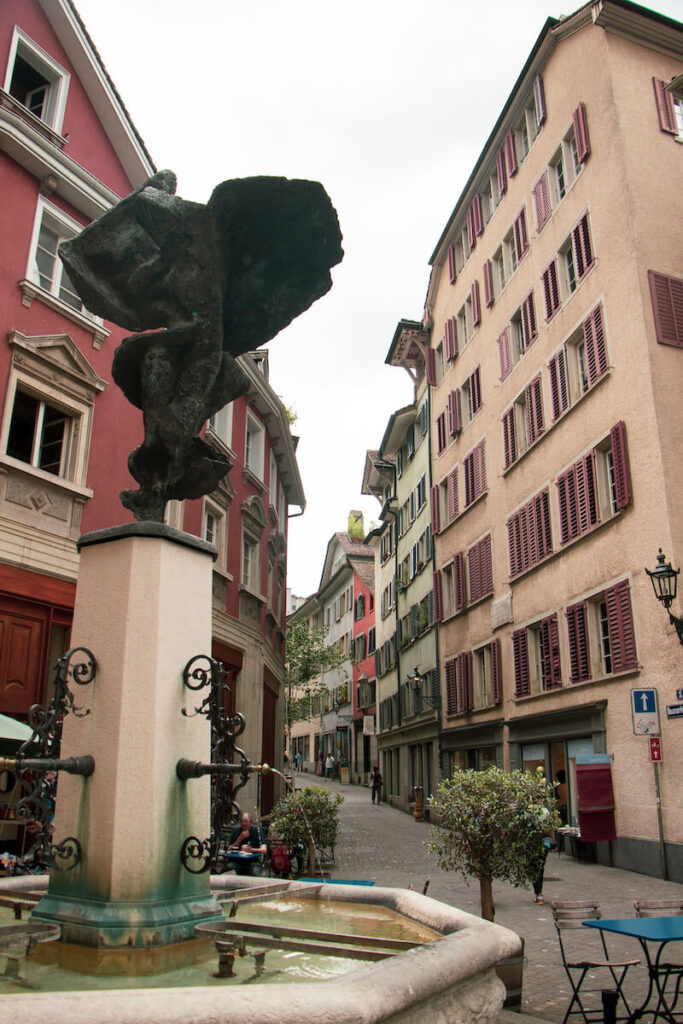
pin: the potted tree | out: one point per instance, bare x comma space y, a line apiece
308, 818
493, 824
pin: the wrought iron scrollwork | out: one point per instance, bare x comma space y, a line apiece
228, 760
38, 761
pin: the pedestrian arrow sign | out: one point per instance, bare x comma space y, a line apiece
645, 711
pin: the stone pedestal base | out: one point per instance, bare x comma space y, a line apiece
143, 608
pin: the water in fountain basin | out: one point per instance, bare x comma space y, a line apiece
57, 966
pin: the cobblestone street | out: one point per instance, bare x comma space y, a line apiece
382, 843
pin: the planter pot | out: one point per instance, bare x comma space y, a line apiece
511, 973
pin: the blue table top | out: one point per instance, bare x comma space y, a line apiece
243, 855
657, 929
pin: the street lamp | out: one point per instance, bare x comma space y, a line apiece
416, 681
664, 583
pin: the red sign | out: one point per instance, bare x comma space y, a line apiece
655, 748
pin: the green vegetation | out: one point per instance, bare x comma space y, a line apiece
316, 807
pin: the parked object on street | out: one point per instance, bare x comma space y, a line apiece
661, 973
570, 915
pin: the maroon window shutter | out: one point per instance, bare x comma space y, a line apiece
441, 433
510, 154
452, 494
430, 366
459, 588
480, 468
476, 304
475, 390
474, 573
529, 320
520, 232
454, 416
543, 504
486, 565
583, 250
533, 394
521, 661
581, 133
471, 236
596, 350
451, 693
461, 682
505, 353
539, 100
564, 498
469, 689
579, 648
500, 170
550, 654
622, 469
622, 635
665, 107
551, 290
438, 603
477, 215
542, 204
496, 672
452, 274
667, 306
559, 389
509, 438
488, 283
451, 338
434, 503
515, 543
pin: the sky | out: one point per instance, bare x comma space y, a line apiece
388, 103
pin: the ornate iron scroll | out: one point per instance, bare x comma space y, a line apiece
77, 665
199, 855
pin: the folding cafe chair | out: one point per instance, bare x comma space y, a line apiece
663, 972
568, 916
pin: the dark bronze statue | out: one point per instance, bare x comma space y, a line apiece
220, 280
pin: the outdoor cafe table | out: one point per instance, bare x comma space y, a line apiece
661, 930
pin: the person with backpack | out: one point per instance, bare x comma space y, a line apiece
376, 785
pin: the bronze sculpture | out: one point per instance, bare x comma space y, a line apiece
200, 285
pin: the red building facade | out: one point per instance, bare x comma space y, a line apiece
364, 681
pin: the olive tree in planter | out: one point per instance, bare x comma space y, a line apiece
492, 826
308, 818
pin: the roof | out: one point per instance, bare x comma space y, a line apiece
366, 572
355, 552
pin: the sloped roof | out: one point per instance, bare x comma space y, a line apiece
366, 572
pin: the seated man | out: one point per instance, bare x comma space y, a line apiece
245, 839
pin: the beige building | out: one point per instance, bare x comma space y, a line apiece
406, 659
555, 309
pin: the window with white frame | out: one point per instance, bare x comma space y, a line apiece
220, 424
601, 634
499, 278
481, 677
36, 80
214, 530
251, 562
47, 426
273, 480
579, 364
45, 269
254, 447
174, 514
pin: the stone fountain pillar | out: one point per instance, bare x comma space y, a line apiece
143, 607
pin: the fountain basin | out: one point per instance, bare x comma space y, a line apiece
450, 979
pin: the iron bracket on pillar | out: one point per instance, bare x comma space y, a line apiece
38, 762
199, 855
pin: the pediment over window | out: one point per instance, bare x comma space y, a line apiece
255, 511
56, 356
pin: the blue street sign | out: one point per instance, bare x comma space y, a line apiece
645, 712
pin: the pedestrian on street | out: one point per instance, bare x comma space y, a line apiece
329, 766
299, 758
376, 784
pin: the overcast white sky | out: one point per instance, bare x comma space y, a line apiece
387, 103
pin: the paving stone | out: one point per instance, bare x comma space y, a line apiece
382, 843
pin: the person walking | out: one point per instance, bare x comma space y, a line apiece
376, 784
329, 766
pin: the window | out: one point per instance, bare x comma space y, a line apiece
220, 424
45, 269
36, 81
441, 433
447, 498
424, 418
272, 485
40, 435
410, 441
601, 634
459, 684
498, 272
454, 413
474, 466
464, 323
551, 290
666, 294
360, 647
421, 492
487, 675
214, 531
542, 203
388, 599
576, 255
253, 447
596, 487
518, 336
471, 391
669, 108
451, 338
523, 422
537, 662
251, 563
282, 511
359, 608
480, 569
579, 364
529, 534
371, 641
489, 294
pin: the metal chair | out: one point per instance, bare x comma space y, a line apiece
662, 973
567, 916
